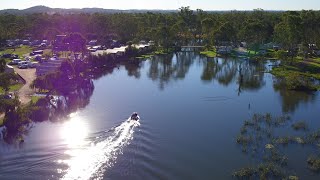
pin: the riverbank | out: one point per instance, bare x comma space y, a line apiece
299, 74
209, 53
1, 119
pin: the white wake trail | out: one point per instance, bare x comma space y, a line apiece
91, 162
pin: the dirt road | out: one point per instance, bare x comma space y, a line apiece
26, 92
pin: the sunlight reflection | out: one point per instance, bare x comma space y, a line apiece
91, 162
74, 131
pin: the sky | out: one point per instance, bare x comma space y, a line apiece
167, 4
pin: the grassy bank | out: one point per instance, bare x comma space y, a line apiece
209, 53
162, 52
1, 121
308, 68
35, 99
299, 74
14, 87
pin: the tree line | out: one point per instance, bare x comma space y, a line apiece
167, 29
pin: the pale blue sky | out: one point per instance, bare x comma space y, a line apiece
168, 4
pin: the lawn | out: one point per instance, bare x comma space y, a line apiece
252, 52
145, 56
20, 51
14, 87
309, 69
35, 99
160, 52
299, 67
1, 121
210, 54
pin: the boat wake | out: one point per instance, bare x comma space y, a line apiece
91, 162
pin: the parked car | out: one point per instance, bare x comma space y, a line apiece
36, 43
38, 57
92, 50
23, 65
14, 56
46, 42
38, 52
6, 96
6, 55
26, 42
15, 62
33, 64
93, 43
43, 45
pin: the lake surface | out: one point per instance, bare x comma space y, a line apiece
191, 110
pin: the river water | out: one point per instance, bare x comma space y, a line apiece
191, 110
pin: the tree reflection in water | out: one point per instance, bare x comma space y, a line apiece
170, 67
248, 75
52, 108
292, 99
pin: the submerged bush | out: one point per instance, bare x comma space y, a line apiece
244, 140
262, 171
301, 125
314, 163
244, 173
293, 178
258, 140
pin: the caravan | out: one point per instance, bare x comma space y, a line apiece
23, 65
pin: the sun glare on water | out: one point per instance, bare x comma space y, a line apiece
88, 159
74, 131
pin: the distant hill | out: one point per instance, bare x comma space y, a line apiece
48, 10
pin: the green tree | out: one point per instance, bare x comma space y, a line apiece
208, 31
2, 65
77, 43
288, 32
6, 79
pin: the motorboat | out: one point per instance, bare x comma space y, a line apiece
134, 116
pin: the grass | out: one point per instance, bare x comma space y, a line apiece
20, 51
160, 52
252, 52
14, 87
35, 99
209, 53
1, 121
145, 56
308, 69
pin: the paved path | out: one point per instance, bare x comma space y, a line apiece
26, 92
